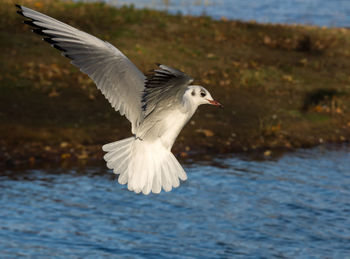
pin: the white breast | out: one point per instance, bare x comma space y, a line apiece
165, 123
173, 124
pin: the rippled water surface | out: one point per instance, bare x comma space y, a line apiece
294, 207
316, 12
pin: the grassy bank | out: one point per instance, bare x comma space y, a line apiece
282, 86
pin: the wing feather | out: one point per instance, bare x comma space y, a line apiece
162, 86
114, 74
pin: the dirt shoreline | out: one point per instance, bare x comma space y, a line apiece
283, 87
34, 155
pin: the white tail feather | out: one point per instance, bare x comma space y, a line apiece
145, 166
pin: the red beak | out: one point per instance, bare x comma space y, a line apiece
213, 102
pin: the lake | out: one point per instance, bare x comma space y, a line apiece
332, 13
297, 206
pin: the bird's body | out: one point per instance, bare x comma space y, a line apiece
164, 125
158, 105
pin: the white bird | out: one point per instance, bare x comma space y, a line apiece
158, 105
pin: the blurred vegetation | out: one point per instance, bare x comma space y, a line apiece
282, 86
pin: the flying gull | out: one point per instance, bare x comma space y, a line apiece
158, 105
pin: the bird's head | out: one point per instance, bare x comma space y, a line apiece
198, 95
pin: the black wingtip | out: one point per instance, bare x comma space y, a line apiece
31, 23
20, 12
54, 44
20, 9
49, 40
39, 31
59, 48
67, 56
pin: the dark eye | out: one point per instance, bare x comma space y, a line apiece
193, 93
203, 94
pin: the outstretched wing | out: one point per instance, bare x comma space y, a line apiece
163, 86
114, 74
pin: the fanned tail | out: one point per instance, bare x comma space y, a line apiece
145, 166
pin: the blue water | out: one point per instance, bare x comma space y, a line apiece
294, 207
332, 13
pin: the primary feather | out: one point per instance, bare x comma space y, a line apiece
113, 73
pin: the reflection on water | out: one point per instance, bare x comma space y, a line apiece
297, 206
317, 12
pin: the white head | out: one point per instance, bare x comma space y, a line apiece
197, 95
